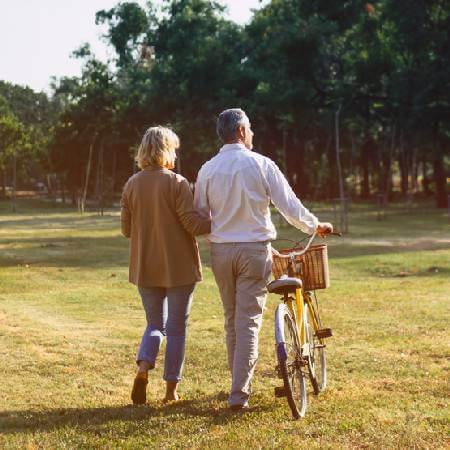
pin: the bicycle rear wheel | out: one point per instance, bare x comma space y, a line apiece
290, 361
317, 362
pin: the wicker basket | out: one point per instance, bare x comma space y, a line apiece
312, 267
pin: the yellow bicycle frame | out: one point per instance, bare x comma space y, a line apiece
299, 305
296, 308
312, 313
300, 300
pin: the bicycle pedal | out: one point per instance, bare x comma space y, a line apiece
280, 391
324, 333
301, 362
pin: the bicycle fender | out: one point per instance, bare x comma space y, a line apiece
281, 352
279, 332
279, 323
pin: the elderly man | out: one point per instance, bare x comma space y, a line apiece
236, 188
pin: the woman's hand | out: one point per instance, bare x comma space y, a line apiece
324, 228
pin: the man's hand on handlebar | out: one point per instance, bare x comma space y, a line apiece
324, 228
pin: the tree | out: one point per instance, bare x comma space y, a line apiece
37, 115
86, 121
13, 139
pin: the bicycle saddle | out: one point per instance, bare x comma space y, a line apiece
282, 285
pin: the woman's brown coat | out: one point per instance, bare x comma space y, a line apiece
159, 217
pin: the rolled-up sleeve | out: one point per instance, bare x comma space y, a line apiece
190, 218
125, 213
285, 200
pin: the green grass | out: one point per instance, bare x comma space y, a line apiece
70, 324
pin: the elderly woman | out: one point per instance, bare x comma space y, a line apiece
158, 216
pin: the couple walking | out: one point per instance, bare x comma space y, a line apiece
231, 205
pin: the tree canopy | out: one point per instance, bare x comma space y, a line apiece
362, 84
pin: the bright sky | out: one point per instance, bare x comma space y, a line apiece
38, 36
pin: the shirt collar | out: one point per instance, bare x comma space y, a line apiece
229, 147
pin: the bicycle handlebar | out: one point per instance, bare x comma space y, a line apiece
296, 253
304, 250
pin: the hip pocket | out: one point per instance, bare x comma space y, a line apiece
257, 264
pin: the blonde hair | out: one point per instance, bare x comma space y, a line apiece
157, 148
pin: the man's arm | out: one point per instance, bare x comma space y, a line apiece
201, 203
285, 200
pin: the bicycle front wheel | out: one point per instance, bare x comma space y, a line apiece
317, 362
290, 361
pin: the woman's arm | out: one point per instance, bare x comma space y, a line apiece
191, 220
125, 213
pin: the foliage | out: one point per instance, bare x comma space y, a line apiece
381, 66
26, 120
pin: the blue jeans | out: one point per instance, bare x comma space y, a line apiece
167, 312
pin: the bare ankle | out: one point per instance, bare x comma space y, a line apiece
171, 390
144, 367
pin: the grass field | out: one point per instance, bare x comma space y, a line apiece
70, 324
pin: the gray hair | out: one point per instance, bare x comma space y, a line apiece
228, 122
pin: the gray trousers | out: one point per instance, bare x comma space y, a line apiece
242, 271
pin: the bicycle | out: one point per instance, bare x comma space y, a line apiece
299, 336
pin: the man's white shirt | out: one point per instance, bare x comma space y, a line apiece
235, 189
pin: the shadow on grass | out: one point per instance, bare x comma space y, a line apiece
350, 251
40, 205
104, 252
59, 220
65, 252
52, 419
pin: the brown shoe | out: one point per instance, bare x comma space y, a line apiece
139, 392
239, 407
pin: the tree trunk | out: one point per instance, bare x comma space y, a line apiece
425, 179
113, 176
365, 181
62, 182
380, 165
101, 177
331, 181
4, 183
403, 165
97, 172
439, 177
295, 163
14, 186
51, 187
390, 158
318, 184
403, 176
352, 155
414, 170
74, 196
343, 215
88, 171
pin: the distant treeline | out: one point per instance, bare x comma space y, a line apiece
350, 98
